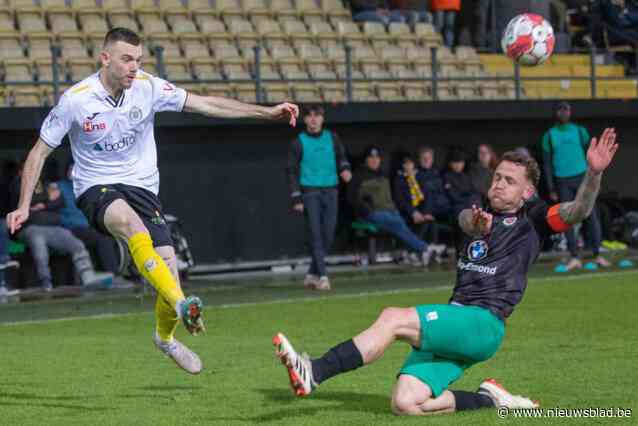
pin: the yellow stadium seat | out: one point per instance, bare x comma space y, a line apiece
168, 42
177, 69
144, 6
93, 22
270, 32
80, 68
26, 96
324, 34
229, 9
568, 59
309, 10
206, 69
283, 9
152, 23
10, 46
416, 91
402, 35
86, 6
17, 70
297, 33
172, 7
123, 19
223, 90
364, 92
335, 9
194, 46
31, 21
23, 5
306, 92
277, 92
427, 34
73, 45
333, 92
256, 9
375, 33
201, 8
116, 6
349, 31
6, 20
389, 91
245, 92
321, 73
39, 45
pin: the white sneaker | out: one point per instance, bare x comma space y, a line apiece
502, 398
574, 263
186, 359
426, 256
439, 251
298, 366
323, 284
311, 281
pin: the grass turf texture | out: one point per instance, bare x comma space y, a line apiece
571, 343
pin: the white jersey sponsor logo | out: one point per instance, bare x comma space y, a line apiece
112, 140
469, 266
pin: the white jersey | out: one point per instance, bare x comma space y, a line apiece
112, 140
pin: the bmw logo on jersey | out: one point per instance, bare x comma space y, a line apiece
477, 250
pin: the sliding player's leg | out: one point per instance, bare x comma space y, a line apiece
365, 348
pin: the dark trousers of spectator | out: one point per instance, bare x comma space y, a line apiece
444, 22
392, 223
103, 245
4, 248
373, 16
428, 232
567, 189
481, 22
320, 211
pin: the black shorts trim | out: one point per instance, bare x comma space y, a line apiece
94, 202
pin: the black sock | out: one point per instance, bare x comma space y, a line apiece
471, 400
343, 357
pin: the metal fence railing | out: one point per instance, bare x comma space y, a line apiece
434, 80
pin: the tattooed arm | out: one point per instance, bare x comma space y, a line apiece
599, 156
475, 222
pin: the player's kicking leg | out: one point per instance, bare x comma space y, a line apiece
158, 266
306, 374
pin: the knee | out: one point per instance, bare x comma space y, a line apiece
403, 404
126, 225
392, 317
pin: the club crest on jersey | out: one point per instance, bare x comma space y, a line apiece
477, 250
135, 114
509, 221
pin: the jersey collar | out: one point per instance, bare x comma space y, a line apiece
104, 94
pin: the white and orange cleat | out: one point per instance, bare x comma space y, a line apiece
502, 398
298, 366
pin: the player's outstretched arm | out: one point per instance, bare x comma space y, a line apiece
215, 106
599, 155
30, 176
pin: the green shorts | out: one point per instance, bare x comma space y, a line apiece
453, 338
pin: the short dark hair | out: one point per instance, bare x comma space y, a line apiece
532, 171
122, 34
423, 149
308, 109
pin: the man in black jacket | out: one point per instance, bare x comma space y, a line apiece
316, 160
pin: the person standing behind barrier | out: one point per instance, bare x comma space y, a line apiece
482, 171
564, 149
316, 160
445, 12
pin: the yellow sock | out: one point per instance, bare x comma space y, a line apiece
165, 319
154, 269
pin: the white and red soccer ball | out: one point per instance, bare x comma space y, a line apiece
528, 39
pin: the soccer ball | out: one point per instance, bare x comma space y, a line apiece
528, 39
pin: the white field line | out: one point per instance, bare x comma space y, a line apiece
321, 298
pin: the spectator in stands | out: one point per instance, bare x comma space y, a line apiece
564, 148
316, 161
621, 21
412, 10
43, 232
431, 182
370, 195
74, 220
374, 11
458, 184
482, 170
415, 207
445, 12
5, 260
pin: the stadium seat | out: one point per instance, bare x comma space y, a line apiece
335, 10
6, 20
80, 68
44, 70
376, 34
227, 52
86, 6
73, 46
283, 9
333, 92
194, 46
228, 9
285, 55
224, 90
181, 24
568, 59
297, 33
150, 67
393, 56
23, 5
144, 6
245, 92
119, 18
324, 34
93, 22
31, 21
402, 35
10, 46
177, 69
214, 30
206, 69
116, 6
624, 89
427, 34
293, 73
389, 91
309, 10
320, 73
256, 9
271, 33
94, 43
172, 7
276, 92
349, 32
243, 32
416, 91
152, 24
26, 96
304, 92
168, 42
3, 98
364, 92
467, 59
196, 88
314, 58
199, 8
39, 45
17, 70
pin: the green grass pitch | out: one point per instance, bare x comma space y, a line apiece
572, 343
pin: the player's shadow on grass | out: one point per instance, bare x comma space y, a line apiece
46, 401
345, 401
169, 388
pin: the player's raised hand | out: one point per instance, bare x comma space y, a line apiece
482, 220
16, 218
286, 111
601, 151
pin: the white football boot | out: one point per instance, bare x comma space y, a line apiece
298, 366
502, 398
186, 359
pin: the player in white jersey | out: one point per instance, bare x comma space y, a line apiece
109, 119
